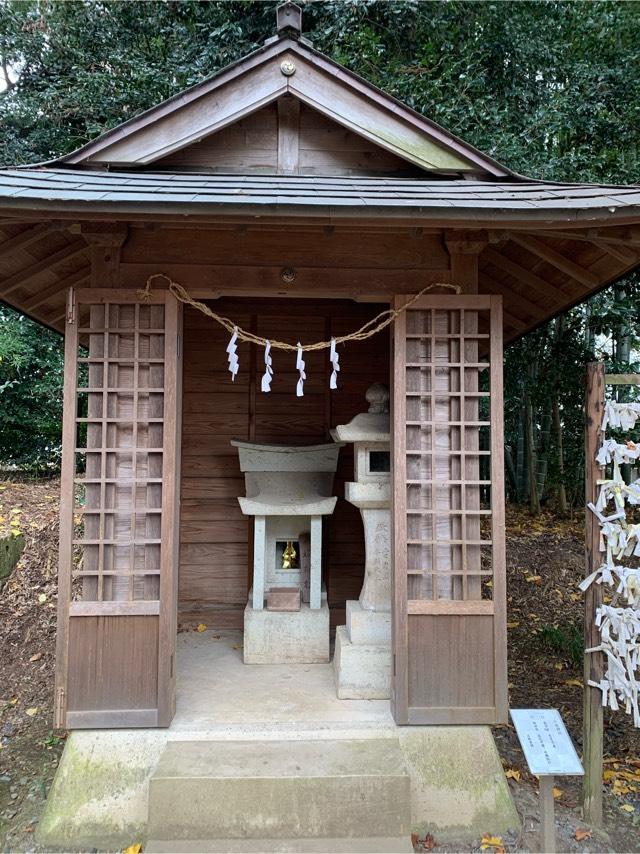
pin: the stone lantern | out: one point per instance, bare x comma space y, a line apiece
362, 660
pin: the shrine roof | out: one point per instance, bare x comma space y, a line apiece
74, 191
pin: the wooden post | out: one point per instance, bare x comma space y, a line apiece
106, 241
547, 815
592, 739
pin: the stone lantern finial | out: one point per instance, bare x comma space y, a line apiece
378, 398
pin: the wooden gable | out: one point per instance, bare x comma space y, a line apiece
288, 137
289, 86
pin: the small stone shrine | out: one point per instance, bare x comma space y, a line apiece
362, 660
288, 493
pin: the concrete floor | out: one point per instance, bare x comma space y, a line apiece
100, 797
219, 696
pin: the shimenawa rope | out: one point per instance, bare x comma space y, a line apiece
371, 327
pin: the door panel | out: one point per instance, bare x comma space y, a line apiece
119, 511
448, 512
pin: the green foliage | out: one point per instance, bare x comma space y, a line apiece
565, 640
545, 87
31, 367
549, 88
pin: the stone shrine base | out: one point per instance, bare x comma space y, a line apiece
231, 719
287, 637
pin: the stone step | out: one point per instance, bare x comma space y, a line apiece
360, 845
280, 790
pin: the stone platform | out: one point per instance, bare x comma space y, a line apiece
101, 795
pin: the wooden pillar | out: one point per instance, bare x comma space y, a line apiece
592, 740
106, 241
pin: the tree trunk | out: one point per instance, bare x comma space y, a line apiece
532, 464
557, 430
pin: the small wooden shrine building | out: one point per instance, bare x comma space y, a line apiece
300, 201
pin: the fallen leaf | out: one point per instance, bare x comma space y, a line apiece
428, 843
534, 579
36, 657
32, 711
201, 627
513, 774
627, 808
557, 793
489, 841
575, 683
42, 598
581, 834
512, 625
414, 839
558, 666
136, 848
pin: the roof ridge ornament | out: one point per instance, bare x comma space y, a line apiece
289, 20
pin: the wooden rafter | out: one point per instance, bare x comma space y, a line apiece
585, 278
523, 274
11, 283
61, 285
24, 239
491, 285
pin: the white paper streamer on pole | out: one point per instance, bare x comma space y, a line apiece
268, 369
232, 350
334, 358
300, 366
619, 626
623, 415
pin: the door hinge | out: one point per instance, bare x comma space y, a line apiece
60, 710
171, 667
394, 664
71, 306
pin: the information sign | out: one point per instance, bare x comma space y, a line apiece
546, 743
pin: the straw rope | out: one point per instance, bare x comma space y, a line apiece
371, 327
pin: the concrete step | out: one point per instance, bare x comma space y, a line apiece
280, 790
371, 845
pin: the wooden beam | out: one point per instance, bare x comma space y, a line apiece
288, 135
581, 275
212, 281
523, 275
24, 239
62, 284
622, 379
11, 283
592, 720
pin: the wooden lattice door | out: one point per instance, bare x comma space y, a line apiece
448, 512
119, 512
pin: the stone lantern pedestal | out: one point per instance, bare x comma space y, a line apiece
362, 659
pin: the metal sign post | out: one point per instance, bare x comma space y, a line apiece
549, 751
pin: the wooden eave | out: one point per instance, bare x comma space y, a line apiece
541, 259
258, 80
